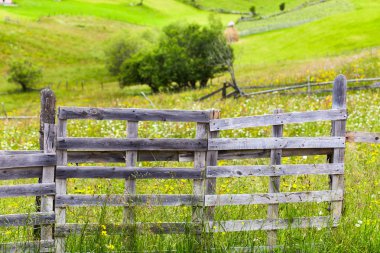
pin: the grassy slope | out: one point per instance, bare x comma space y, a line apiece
332, 36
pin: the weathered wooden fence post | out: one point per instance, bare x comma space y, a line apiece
224, 91
274, 182
338, 129
61, 187
210, 183
130, 186
199, 186
48, 176
47, 116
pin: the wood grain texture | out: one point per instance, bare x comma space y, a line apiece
278, 119
364, 137
115, 144
274, 170
273, 198
271, 224
131, 114
131, 200
20, 173
27, 160
38, 246
150, 227
27, 190
126, 172
276, 143
274, 181
29, 219
338, 128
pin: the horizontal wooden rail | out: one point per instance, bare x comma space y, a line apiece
30, 219
19, 173
271, 224
20, 152
115, 144
131, 200
27, 190
277, 119
133, 114
151, 156
364, 137
40, 246
276, 143
27, 160
272, 198
156, 228
212, 226
123, 172
274, 170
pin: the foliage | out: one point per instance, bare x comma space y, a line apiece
186, 55
24, 73
282, 6
252, 10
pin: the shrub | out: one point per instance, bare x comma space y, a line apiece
24, 73
252, 10
282, 6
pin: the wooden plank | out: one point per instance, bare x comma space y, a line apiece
275, 170
211, 160
48, 176
276, 143
27, 190
116, 144
338, 128
28, 219
61, 187
131, 200
151, 227
38, 246
273, 198
199, 185
126, 172
119, 156
271, 224
363, 137
278, 119
274, 181
27, 160
20, 152
132, 114
149, 156
19, 173
265, 153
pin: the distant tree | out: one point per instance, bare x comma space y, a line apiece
252, 10
185, 56
24, 73
282, 6
118, 52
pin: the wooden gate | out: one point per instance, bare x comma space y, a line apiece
63, 155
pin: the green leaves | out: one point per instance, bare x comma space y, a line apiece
24, 73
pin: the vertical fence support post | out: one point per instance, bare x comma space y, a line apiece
61, 187
224, 91
130, 186
338, 129
210, 184
47, 116
48, 173
274, 182
199, 187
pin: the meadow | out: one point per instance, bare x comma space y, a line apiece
68, 39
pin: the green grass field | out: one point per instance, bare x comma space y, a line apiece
68, 39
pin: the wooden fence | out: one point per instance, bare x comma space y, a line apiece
54, 165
